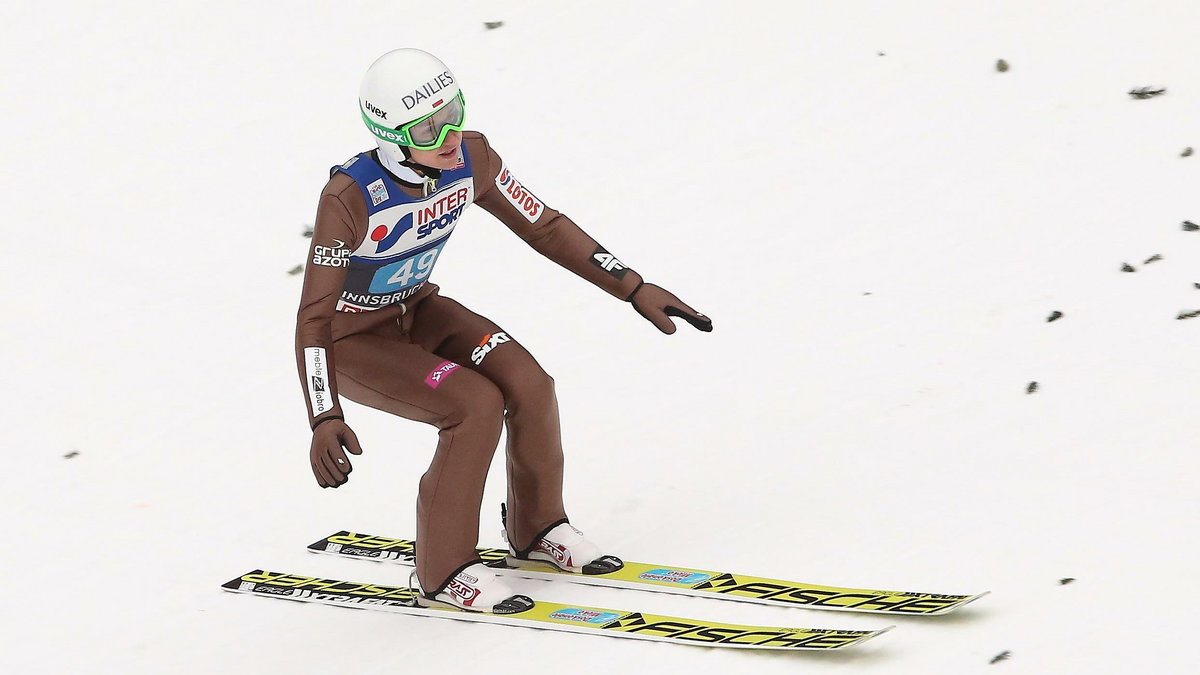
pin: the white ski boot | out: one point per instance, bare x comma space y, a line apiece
563, 547
475, 588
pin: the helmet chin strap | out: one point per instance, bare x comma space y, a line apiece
410, 171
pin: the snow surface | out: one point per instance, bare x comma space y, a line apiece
878, 221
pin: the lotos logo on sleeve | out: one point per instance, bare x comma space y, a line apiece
529, 206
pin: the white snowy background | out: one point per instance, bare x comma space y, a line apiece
878, 221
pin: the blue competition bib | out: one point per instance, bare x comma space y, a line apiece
405, 235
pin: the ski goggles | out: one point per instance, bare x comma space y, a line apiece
425, 133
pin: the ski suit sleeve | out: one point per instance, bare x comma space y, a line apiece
548, 231
336, 233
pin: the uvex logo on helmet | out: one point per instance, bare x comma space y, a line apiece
382, 114
428, 89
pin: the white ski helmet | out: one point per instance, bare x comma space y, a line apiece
409, 98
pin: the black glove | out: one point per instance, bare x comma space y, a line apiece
329, 463
657, 305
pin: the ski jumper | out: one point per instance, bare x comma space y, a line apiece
372, 328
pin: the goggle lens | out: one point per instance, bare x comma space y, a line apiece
430, 131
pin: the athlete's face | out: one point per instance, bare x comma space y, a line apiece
445, 157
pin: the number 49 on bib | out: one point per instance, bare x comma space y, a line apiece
406, 272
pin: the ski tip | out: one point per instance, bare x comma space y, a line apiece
973, 598
881, 631
319, 545
959, 605
869, 636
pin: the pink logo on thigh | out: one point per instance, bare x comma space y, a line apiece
434, 379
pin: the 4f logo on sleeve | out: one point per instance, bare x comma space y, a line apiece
609, 263
486, 346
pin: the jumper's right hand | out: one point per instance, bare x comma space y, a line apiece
330, 464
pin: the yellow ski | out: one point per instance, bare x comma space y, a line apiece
677, 580
551, 616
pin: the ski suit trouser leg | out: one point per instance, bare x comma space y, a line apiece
533, 447
405, 372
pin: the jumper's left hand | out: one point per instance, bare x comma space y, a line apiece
657, 305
